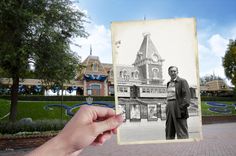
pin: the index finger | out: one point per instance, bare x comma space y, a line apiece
96, 112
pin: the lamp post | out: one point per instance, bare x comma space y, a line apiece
89, 99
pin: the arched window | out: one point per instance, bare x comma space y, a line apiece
124, 73
155, 73
95, 67
121, 73
132, 75
111, 73
155, 57
140, 55
136, 73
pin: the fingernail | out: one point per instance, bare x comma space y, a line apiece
119, 118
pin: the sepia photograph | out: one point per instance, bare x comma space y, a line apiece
123, 111
152, 112
135, 112
156, 80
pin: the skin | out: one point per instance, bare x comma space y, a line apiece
91, 125
173, 72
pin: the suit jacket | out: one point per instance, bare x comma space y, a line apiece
183, 96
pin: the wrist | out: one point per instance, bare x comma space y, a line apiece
64, 147
58, 146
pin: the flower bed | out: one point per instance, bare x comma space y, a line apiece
21, 142
216, 104
220, 110
220, 107
68, 109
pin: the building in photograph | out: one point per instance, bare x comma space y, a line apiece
145, 74
141, 83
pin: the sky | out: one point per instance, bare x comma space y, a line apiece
216, 24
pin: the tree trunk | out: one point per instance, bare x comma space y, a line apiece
62, 90
14, 98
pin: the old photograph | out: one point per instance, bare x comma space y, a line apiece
122, 111
152, 112
135, 112
156, 77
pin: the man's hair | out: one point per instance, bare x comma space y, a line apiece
172, 67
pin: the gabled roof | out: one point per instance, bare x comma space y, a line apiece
88, 63
215, 85
147, 50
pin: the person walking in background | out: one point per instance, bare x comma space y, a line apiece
178, 101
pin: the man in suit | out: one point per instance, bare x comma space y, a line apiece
178, 100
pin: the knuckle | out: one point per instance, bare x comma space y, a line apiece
94, 129
84, 108
111, 123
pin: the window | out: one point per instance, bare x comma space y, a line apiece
111, 73
136, 74
121, 73
111, 90
124, 73
123, 89
155, 73
155, 58
95, 89
140, 55
95, 67
132, 75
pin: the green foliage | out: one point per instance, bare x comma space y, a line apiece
38, 32
216, 98
4, 107
36, 111
208, 78
229, 62
58, 98
39, 126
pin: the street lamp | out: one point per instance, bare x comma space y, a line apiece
89, 99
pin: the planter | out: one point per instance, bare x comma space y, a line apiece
218, 119
23, 141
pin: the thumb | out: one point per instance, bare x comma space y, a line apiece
108, 124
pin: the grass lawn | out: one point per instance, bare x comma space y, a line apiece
36, 111
206, 112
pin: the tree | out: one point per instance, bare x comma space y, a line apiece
229, 62
38, 32
208, 78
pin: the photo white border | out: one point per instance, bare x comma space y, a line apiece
115, 44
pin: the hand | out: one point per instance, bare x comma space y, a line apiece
90, 125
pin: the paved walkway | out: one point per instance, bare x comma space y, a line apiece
154, 130
218, 140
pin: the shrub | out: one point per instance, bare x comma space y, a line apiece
216, 98
39, 125
58, 98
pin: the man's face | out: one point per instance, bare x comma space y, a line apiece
173, 72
